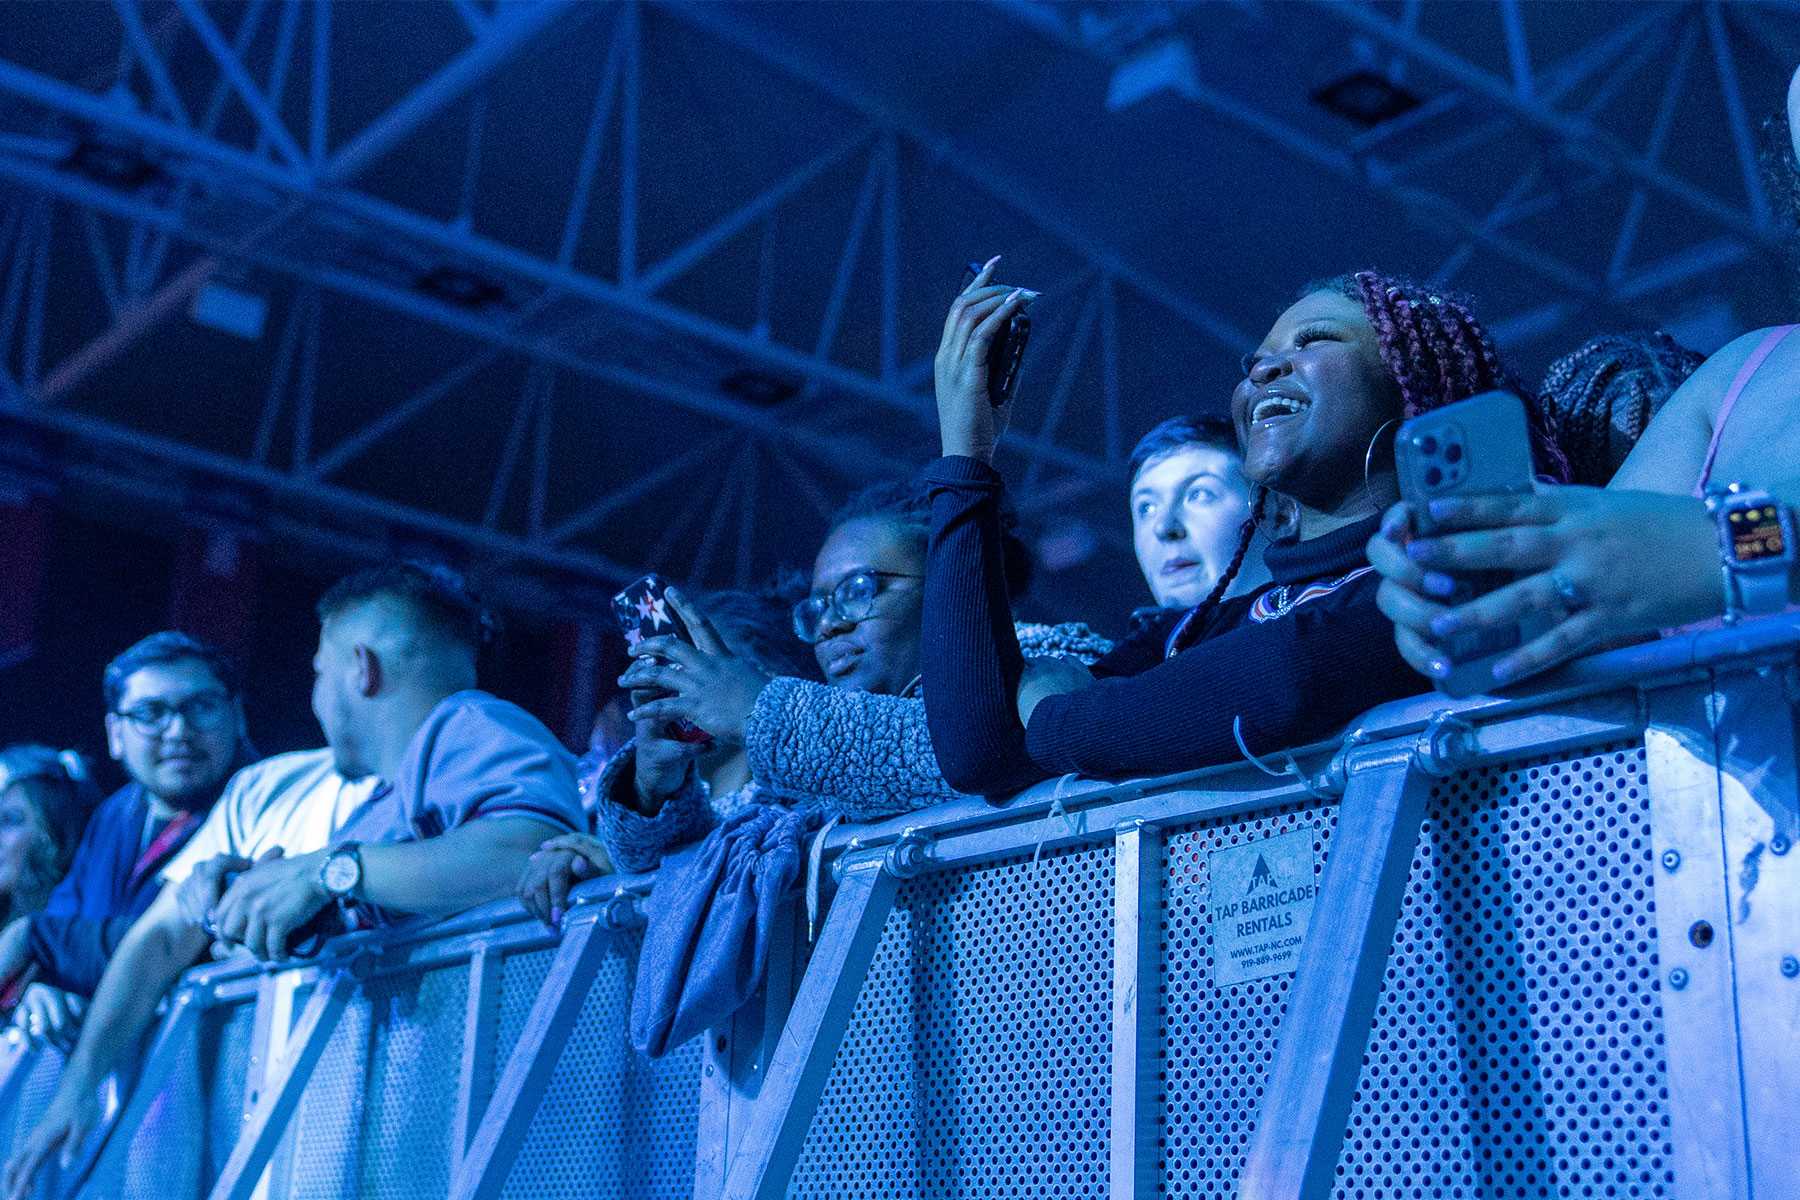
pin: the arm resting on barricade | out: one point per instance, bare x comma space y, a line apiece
152, 956
469, 865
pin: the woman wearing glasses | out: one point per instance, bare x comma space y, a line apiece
854, 746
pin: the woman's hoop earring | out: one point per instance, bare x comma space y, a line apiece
1369, 460
1369, 455
1285, 524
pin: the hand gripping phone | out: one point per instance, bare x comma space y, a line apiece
643, 611
1006, 351
1477, 446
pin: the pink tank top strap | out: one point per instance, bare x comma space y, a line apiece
1763, 349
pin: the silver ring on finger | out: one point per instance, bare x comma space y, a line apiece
1573, 598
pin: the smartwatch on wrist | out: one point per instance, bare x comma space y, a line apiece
342, 871
1756, 550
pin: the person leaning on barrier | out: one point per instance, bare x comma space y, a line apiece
175, 722
46, 798
469, 786
1647, 552
856, 746
1291, 663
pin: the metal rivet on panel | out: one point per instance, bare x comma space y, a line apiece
1670, 860
1790, 966
1678, 978
1779, 844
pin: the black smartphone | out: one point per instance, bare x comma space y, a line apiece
643, 611
1477, 446
1007, 350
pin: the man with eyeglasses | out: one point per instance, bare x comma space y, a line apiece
463, 788
175, 723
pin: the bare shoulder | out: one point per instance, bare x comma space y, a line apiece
1669, 456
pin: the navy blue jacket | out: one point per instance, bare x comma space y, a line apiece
90, 910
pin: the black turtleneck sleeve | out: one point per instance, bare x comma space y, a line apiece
1291, 678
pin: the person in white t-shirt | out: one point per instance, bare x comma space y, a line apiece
295, 803
465, 787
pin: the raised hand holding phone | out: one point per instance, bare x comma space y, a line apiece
643, 611
1476, 447
969, 420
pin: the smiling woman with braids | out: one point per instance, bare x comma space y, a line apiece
1291, 662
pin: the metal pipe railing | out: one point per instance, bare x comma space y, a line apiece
1488, 896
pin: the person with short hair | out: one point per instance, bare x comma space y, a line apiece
1189, 498
175, 722
469, 785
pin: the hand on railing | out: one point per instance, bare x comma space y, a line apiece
551, 873
49, 1016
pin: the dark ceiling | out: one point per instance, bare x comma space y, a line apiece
619, 286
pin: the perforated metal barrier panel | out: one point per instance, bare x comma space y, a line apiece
978, 1061
1216, 1042
612, 1125
1516, 1049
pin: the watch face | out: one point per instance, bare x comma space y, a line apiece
1755, 533
341, 873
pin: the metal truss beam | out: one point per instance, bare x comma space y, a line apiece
296, 503
492, 254
856, 457
494, 48
729, 23
1580, 137
1422, 206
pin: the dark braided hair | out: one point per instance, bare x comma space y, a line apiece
1603, 395
1437, 353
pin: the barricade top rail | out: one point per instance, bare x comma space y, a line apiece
1233, 787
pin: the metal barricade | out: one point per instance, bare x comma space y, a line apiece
1536, 946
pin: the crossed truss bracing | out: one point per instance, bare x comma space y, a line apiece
561, 300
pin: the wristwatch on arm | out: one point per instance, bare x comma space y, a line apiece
341, 874
1756, 550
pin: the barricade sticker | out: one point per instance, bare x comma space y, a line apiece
1262, 901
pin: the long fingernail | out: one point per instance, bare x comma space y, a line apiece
1016, 293
1031, 294
1437, 584
1445, 624
1439, 667
990, 262
556, 916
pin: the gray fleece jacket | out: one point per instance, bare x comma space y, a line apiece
813, 748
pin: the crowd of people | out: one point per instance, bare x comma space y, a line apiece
1290, 587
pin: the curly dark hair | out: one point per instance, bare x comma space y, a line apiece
1603, 394
1781, 184
907, 504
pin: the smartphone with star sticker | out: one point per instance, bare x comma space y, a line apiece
643, 611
